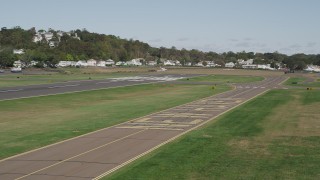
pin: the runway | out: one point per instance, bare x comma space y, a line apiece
84, 85
98, 154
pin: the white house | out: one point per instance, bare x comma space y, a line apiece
18, 64
210, 64
169, 63
66, 63
188, 64
134, 62
37, 37
33, 63
177, 63
247, 62
92, 62
312, 68
18, 51
229, 65
151, 63
48, 36
52, 44
250, 66
109, 62
199, 64
121, 63
101, 63
82, 63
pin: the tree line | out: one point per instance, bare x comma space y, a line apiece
100, 46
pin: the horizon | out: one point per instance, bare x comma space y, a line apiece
287, 27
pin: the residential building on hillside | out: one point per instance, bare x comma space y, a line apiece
18, 51
110, 62
101, 63
229, 65
91, 62
134, 62
168, 63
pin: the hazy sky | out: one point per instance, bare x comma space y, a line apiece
287, 26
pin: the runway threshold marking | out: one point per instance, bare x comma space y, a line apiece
81, 154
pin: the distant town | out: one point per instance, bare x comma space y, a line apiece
80, 48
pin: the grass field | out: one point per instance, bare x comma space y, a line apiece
275, 136
29, 123
301, 81
224, 79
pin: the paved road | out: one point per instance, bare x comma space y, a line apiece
99, 153
74, 86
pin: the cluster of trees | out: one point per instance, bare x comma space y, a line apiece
100, 46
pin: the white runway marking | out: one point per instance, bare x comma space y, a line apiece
142, 78
11, 90
71, 85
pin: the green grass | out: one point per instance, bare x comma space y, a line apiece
299, 81
275, 136
224, 79
29, 123
10, 80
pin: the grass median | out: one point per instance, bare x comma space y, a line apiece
274, 136
224, 79
301, 82
30, 123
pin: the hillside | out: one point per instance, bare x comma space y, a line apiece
53, 46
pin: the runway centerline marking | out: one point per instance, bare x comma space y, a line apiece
11, 90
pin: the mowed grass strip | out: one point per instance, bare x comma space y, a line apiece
224, 79
274, 136
29, 123
301, 82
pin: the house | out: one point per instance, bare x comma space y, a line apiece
135, 62
82, 63
243, 62
177, 63
188, 64
66, 63
210, 64
48, 36
121, 63
62, 64
91, 62
151, 63
229, 65
109, 62
18, 64
312, 68
250, 66
33, 63
101, 63
52, 44
37, 37
199, 64
169, 63
18, 51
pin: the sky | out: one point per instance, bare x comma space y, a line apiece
286, 26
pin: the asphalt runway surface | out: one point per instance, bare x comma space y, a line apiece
100, 153
84, 85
